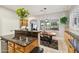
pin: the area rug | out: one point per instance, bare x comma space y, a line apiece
54, 44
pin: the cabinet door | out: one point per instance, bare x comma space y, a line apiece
11, 50
19, 48
10, 44
11, 47
31, 46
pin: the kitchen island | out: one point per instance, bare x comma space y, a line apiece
15, 45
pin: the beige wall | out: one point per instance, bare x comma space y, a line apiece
8, 21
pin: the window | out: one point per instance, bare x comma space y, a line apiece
49, 24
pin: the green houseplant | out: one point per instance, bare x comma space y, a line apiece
22, 14
63, 24
63, 20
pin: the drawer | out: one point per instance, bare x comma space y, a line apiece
19, 48
11, 44
10, 50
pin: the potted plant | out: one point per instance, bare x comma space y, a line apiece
62, 26
63, 20
22, 14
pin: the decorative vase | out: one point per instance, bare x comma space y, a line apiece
23, 22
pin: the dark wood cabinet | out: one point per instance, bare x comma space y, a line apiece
21, 33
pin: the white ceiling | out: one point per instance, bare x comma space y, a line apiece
35, 9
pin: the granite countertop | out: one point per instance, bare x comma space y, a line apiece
29, 30
17, 41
